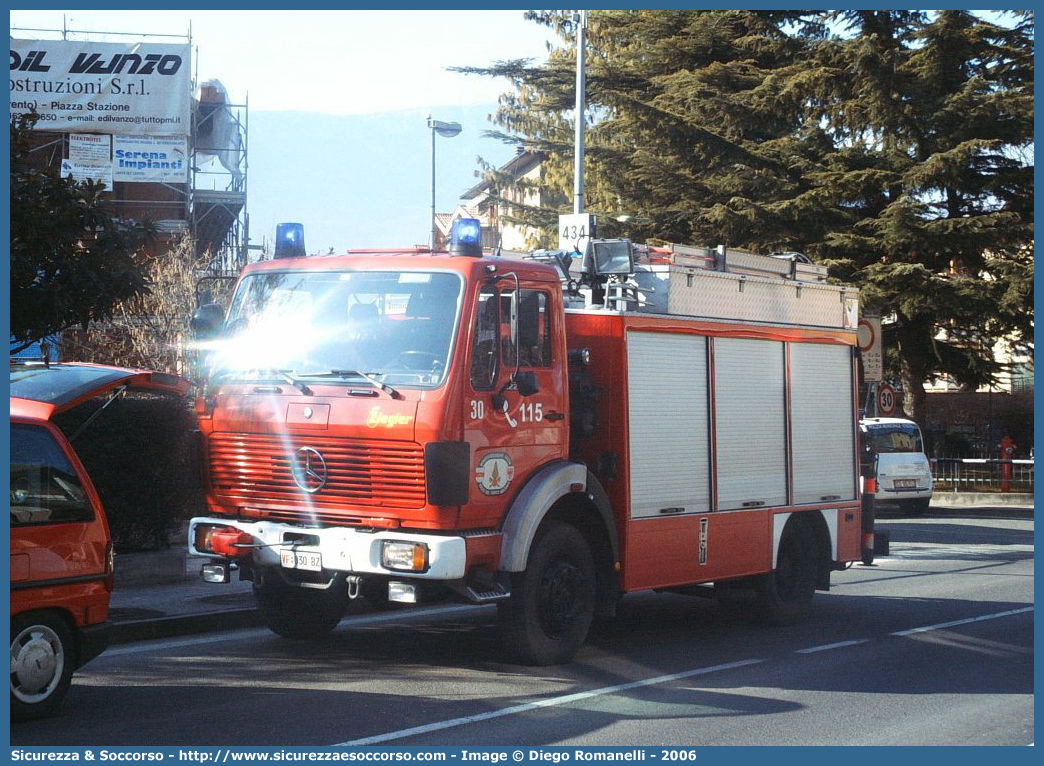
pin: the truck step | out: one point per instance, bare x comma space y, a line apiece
487, 593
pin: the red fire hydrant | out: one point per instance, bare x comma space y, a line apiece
1007, 451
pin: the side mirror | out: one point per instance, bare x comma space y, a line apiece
207, 321
526, 382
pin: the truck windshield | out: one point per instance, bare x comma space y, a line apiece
895, 437
395, 327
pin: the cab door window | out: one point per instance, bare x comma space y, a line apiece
534, 329
45, 488
484, 341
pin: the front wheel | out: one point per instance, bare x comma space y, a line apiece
785, 594
547, 618
300, 613
43, 656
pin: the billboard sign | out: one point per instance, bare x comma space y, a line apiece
90, 148
150, 159
90, 157
81, 172
90, 87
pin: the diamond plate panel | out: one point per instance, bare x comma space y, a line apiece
719, 295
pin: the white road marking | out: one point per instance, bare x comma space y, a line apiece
965, 621
556, 701
174, 643
836, 645
901, 550
563, 699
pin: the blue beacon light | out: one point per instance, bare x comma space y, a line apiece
289, 240
466, 237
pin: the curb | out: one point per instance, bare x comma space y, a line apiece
150, 568
183, 625
989, 499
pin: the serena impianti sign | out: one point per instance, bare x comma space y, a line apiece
149, 159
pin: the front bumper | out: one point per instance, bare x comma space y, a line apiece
343, 549
886, 494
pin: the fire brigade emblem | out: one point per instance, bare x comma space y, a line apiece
494, 473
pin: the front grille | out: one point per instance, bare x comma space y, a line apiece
258, 468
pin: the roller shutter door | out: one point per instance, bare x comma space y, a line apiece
668, 424
751, 423
822, 422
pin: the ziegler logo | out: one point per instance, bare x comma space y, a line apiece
378, 419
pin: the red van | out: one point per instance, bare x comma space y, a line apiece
61, 551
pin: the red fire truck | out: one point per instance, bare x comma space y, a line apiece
546, 432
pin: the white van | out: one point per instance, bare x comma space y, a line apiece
904, 475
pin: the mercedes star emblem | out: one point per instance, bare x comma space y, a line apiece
309, 470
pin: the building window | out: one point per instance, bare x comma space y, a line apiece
1022, 378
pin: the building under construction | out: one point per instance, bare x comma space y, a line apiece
128, 110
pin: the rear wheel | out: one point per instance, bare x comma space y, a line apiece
552, 603
300, 613
785, 594
43, 656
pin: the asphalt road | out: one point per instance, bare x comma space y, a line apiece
931, 646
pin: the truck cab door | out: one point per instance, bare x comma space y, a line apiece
513, 434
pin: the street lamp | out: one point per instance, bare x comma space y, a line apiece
446, 130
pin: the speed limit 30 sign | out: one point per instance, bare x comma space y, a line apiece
887, 400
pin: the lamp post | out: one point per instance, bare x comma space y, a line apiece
446, 130
578, 114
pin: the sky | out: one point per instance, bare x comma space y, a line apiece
326, 61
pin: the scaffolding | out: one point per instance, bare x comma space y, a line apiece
218, 194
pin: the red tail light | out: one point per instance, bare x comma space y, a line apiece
110, 565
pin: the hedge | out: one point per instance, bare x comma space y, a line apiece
139, 453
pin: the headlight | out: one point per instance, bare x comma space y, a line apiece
403, 556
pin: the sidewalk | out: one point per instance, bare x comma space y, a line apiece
160, 594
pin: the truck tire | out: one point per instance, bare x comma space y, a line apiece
785, 594
552, 602
916, 507
43, 657
297, 613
